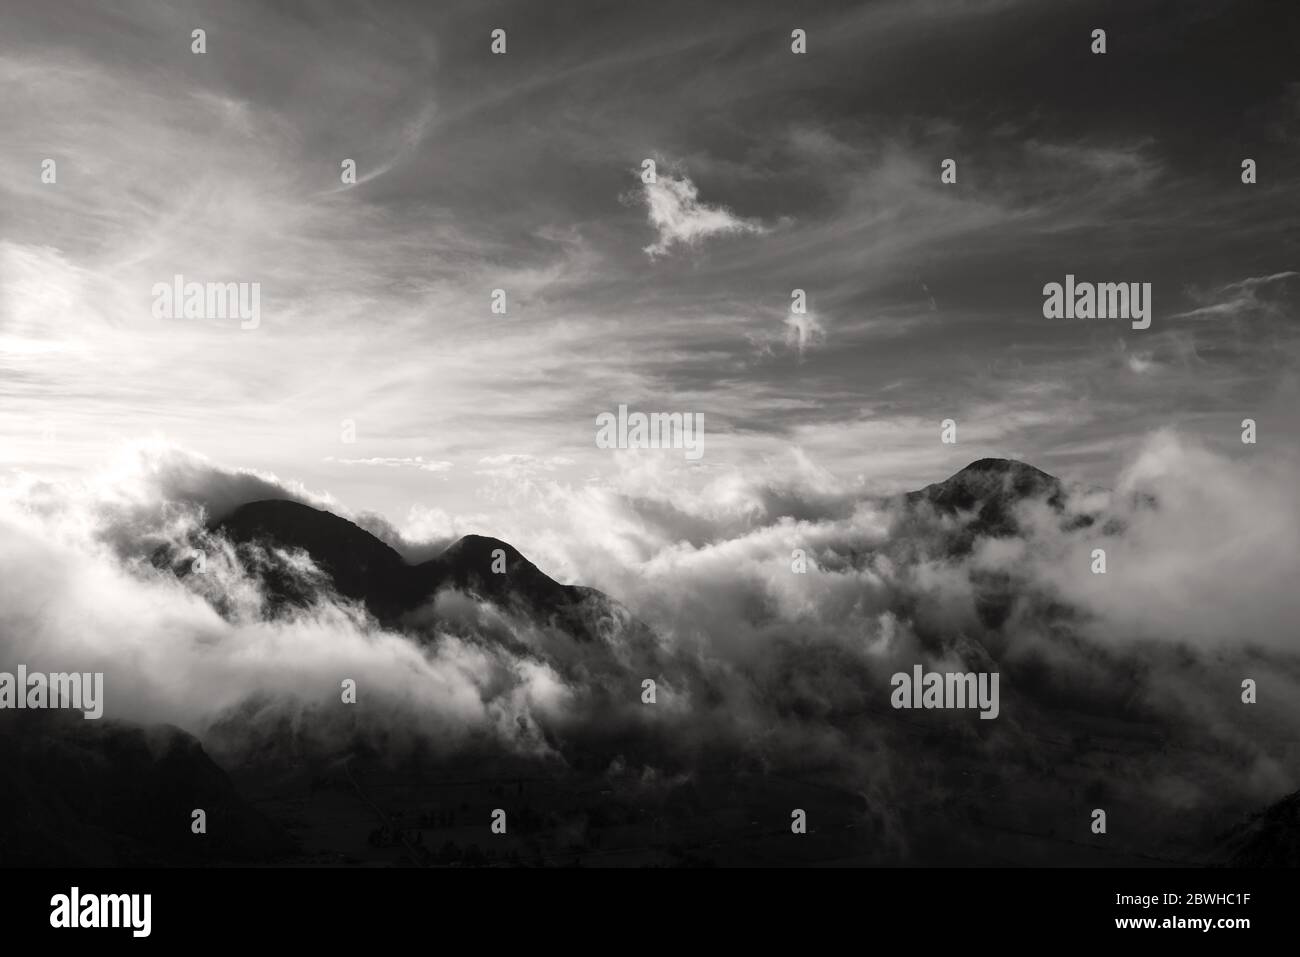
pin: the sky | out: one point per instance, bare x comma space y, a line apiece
522, 172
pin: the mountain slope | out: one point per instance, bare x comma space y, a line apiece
1270, 838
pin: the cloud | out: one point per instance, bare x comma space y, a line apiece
375, 300
1113, 162
680, 218
513, 459
1140, 362
411, 135
520, 467
1253, 297
414, 462
201, 652
138, 485
803, 331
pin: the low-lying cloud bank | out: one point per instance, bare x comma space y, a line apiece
753, 660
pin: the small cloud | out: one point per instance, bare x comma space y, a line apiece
235, 113
680, 218
1141, 362
392, 462
1254, 282
1100, 159
1138, 362
520, 465
803, 331
820, 144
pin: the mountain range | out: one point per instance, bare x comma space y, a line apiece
148, 779
363, 568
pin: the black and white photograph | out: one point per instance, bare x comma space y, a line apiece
458, 435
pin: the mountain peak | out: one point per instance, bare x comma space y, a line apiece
1001, 467
985, 477
989, 490
478, 546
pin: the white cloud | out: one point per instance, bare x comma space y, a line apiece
396, 462
518, 464
802, 331
1247, 297
680, 218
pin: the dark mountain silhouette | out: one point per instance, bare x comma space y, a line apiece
365, 569
946, 520
103, 793
988, 483
989, 491
982, 497
361, 567
1270, 838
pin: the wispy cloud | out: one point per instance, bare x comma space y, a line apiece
411, 462
1241, 299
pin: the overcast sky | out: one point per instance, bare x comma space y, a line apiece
521, 172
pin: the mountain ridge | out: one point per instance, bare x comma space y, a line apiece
364, 568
